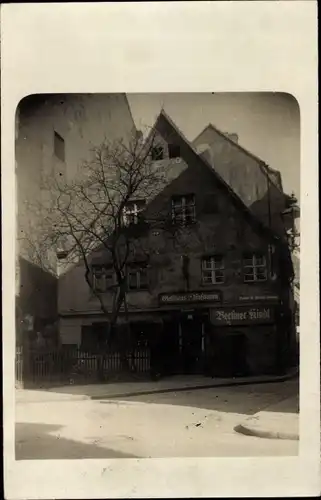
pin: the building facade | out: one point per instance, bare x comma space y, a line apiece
54, 134
213, 298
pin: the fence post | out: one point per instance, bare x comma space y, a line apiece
19, 367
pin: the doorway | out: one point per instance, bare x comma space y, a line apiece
170, 349
238, 350
191, 339
228, 356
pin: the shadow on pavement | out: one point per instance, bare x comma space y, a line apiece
32, 442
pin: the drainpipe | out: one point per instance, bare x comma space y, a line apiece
269, 219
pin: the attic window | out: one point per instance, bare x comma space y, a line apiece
59, 146
174, 151
157, 153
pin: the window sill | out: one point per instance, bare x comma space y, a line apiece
255, 282
209, 285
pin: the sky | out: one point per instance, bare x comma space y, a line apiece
268, 124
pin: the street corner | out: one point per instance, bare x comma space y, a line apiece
267, 429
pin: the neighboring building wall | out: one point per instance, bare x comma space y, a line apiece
246, 175
83, 121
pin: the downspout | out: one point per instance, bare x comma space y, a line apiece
269, 219
279, 342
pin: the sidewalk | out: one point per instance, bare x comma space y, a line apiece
279, 421
127, 389
41, 396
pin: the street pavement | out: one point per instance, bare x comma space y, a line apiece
124, 388
176, 424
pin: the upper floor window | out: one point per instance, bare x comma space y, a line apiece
102, 278
59, 146
254, 267
132, 210
213, 270
137, 278
183, 209
174, 151
157, 153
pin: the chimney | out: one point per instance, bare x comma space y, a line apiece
234, 137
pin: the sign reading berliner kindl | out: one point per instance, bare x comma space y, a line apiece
242, 315
189, 297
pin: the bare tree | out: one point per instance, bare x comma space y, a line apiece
100, 210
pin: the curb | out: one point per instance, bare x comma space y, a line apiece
281, 378
54, 400
58, 397
248, 431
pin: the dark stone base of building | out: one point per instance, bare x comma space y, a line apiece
216, 342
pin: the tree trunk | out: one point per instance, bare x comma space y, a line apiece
130, 364
103, 351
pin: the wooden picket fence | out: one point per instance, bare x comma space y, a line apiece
76, 366
19, 367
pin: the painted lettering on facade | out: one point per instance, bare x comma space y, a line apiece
258, 298
187, 298
240, 316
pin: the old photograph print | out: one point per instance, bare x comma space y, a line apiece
157, 275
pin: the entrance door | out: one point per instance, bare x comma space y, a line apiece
170, 348
191, 344
238, 354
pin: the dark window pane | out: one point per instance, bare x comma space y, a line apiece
174, 151
189, 198
59, 147
143, 278
157, 153
260, 261
132, 281
207, 264
219, 263
130, 218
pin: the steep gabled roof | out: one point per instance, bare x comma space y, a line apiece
169, 131
273, 175
164, 122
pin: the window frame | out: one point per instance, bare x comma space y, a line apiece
135, 212
213, 269
107, 275
184, 206
258, 262
157, 153
137, 271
